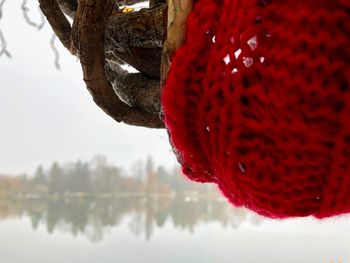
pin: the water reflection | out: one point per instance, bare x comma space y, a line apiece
94, 218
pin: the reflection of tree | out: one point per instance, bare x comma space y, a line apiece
149, 220
10, 209
36, 211
185, 215
136, 224
90, 198
143, 215
162, 211
73, 214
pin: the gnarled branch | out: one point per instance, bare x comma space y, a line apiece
100, 30
88, 37
86, 40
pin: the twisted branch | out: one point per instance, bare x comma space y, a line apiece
86, 40
88, 34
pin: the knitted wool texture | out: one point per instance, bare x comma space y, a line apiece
257, 100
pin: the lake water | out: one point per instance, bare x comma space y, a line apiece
162, 230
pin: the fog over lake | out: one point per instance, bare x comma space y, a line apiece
60, 204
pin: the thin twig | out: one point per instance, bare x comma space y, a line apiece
3, 43
43, 20
3, 46
55, 51
27, 18
2, 2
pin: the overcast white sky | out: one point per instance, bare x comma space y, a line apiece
47, 115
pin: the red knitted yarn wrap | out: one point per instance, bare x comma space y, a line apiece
257, 100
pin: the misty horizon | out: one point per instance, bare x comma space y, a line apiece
126, 168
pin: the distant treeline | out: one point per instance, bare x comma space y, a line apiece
98, 177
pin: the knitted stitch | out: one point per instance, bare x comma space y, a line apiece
257, 100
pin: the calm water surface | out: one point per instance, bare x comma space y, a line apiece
162, 230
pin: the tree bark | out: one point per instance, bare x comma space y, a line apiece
88, 38
136, 38
177, 13
153, 3
69, 7
57, 20
139, 91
